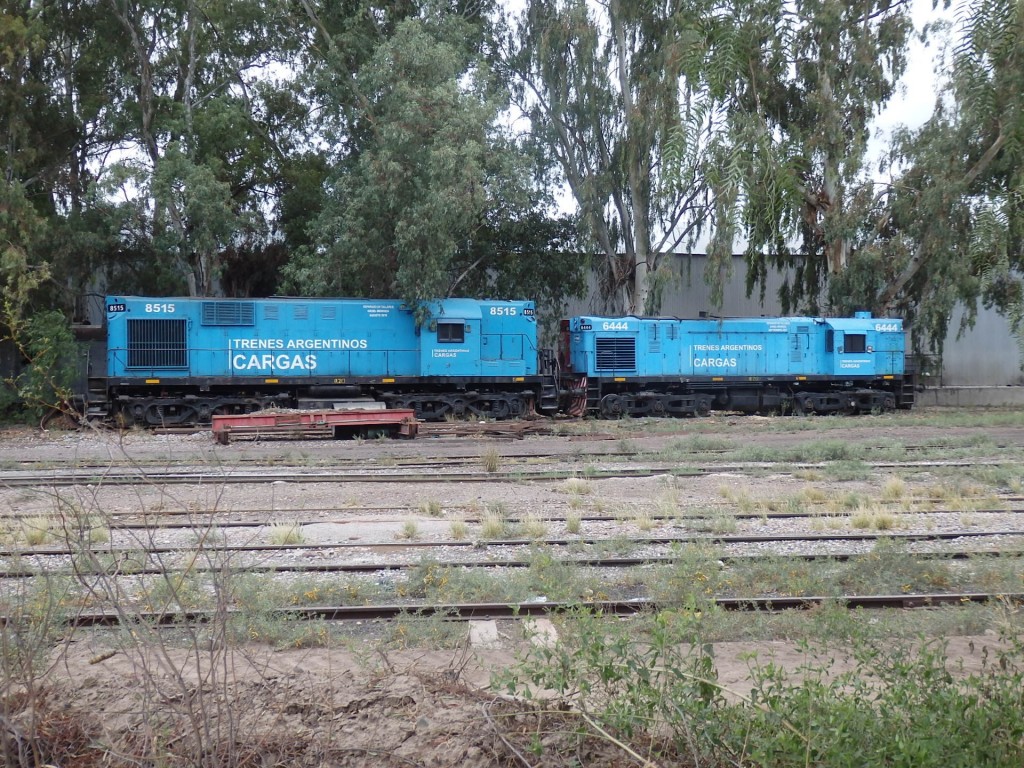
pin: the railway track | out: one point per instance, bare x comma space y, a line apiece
381, 571
382, 567
635, 541
74, 477
450, 458
487, 611
197, 518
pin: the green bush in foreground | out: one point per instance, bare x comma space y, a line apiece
659, 699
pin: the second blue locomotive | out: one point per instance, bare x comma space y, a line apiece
653, 366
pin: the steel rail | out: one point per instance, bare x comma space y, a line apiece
591, 562
73, 478
555, 541
448, 458
479, 611
681, 517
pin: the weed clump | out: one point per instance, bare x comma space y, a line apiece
901, 704
286, 534
491, 460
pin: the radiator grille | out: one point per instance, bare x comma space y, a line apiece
157, 344
616, 354
229, 313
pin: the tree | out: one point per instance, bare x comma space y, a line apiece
617, 93
788, 172
957, 217
24, 161
428, 185
212, 127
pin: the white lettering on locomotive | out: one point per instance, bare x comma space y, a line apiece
728, 347
327, 344
714, 362
270, 362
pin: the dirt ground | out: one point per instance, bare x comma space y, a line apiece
353, 705
337, 707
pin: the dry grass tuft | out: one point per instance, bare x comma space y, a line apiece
573, 523
431, 508
286, 533
37, 530
895, 488
410, 529
490, 460
459, 530
577, 486
534, 528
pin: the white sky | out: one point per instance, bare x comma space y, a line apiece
916, 100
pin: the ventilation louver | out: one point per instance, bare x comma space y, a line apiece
157, 344
616, 354
229, 313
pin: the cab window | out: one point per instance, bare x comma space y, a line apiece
855, 342
451, 333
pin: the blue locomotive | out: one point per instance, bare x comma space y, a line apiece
652, 366
177, 361
164, 361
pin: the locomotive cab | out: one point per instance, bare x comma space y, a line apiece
863, 346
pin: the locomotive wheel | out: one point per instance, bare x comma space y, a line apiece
612, 406
157, 415
703, 407
803, 405
888, 404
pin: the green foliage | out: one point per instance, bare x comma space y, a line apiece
34, 616
437, 200
658, 694
616, 94
46, 345
789, 164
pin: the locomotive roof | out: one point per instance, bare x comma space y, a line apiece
836, 322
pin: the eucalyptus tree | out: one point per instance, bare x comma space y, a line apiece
205, 95
54, 122
789, 172
944, 227
429, 194
616, 92
957, 225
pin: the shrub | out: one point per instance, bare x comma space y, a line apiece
902, 706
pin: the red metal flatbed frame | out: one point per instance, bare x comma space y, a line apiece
399, 422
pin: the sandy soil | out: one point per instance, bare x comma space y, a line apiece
338, 707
